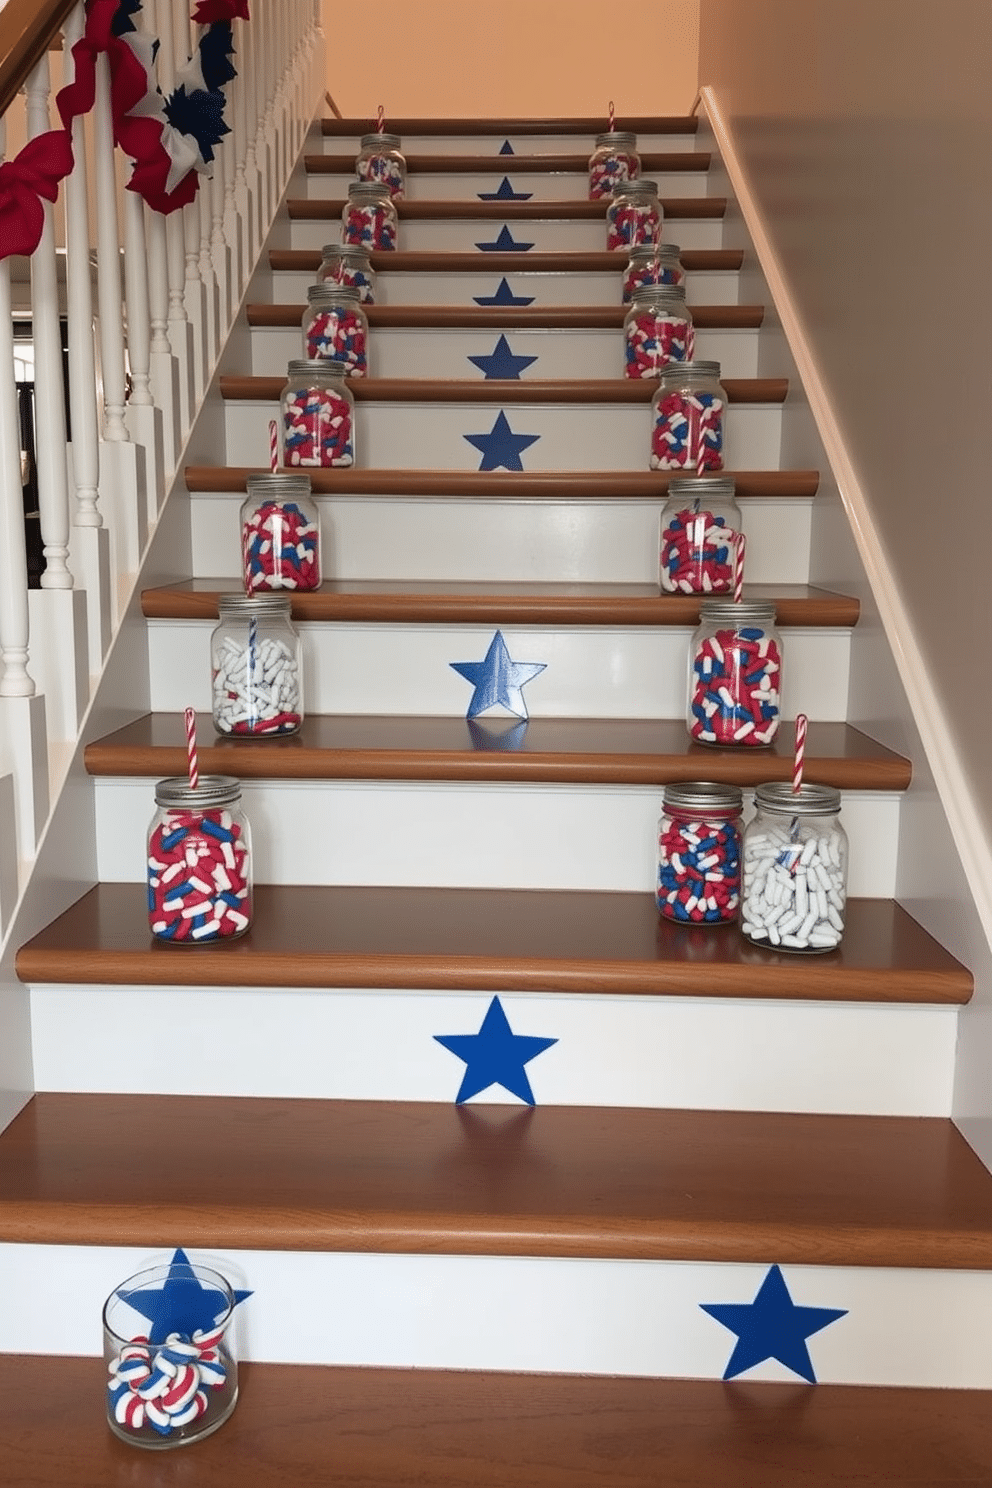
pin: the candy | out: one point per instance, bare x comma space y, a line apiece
369, 225
699, 871
385, 169
338, 332
280, 548
171, 1393
607, 169
256, 690
317, 426
631, 222
198, 876
697, 553
794, 886
637, 276
653, 338
688, 432
734, 687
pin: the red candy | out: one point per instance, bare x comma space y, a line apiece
631, 224
280, 548
697, 554
653, 339
688, 433
198, 876
340, 334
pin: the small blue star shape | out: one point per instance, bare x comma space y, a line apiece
501, 448
504, 242
501, 362
498, 681
504, 296
506, 148
504, 192
494, 1056
772, 1327
182, 1304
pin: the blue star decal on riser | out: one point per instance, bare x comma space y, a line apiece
506, 148
504, 296
501, 448
494, 1056
772, 1327
182, 1305
504, 192
504, 242
501, 363
498, 680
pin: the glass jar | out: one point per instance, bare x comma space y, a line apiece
795, 868
687, 415
699, 853
280, 534
613, 161
700, 534
381, 160
369, 217
199, 861
735, 674
652, 263
342, 263
318, 415
634, 215
255, 667
657, 330
335, 327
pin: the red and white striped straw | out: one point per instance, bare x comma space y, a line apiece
273, 446
380, 119
194, 766
800, 755
741, 547
612, 116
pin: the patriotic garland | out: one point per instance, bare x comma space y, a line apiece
171, 140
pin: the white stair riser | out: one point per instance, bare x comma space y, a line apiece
703, 287
445, 353
657, 1052
634, 1318
520, 144
583, 542
592, 671
463, 186
432, 834
463, 235
398, 436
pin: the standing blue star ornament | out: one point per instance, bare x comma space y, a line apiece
182, 1304
772, 1327
504, 242
498, 681
504, 192
501, 362
494, 1056
504, 296
501, 448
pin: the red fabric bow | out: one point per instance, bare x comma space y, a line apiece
35, 173
209, 11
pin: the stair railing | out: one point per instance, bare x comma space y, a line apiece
144, 303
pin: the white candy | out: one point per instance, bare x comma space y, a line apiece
272, 687
793, 889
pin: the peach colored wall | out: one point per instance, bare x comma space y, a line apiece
488, 58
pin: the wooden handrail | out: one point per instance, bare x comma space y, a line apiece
26, 29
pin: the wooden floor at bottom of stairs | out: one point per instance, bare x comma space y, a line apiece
391, 1428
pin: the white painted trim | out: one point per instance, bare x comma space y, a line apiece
950, 779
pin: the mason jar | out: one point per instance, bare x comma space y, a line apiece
380, 159
335, 326
255, 667
613, 161
795, 868
199, 861
318, 415
343, 263
735, 674
699, 853
687, 414
634, 215
369, 218
700, 535
280, 534
657, 330
652, 263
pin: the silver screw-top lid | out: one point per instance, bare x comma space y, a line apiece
317, 367
350, 253
703, 796
621, 138
212, 791
383, 141
327, 292
637, 187
280, 485
666, 253
367, 191
808, 800
254, 606
690, 371
747, 612
701, 488
649, 295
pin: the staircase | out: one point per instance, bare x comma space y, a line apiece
706, 1111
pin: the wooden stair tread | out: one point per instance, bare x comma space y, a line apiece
489, 940
404, 1428
504, 391
537, 317
404, 1177
418, 261
500, 603
582, 124
622, 751
697, 161
576, 485
675, 209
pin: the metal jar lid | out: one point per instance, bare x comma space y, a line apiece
317, 367
279, 485
808, 800
703, 796
637, 187
693, 371
384, 141
349, 253
747, 612
621, 138
701, 488
212, 791
650, 295
254, 606
646, 252
328, 292
368, 191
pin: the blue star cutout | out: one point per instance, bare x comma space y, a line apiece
498, 681
772, 1327
501, 363
182, 1304
494, 1056
504, 192
504, 243
506, 148
501, 448
504, 296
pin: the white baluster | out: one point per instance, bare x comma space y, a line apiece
143, 417
195, 296
109, 278
173, 23
220, 254
253, 184
208, 275
239, 123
